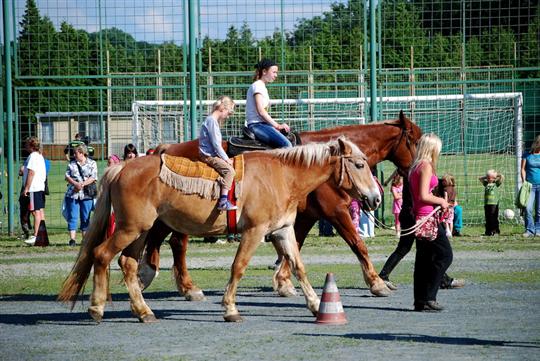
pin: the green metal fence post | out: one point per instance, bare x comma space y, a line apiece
192, 5
373, 60
9, 117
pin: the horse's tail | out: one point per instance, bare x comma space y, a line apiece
95, 235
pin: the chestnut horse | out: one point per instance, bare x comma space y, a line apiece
393, 140
273, 186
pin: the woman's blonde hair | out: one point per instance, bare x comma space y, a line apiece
535, 147
428, 149
223, 102
83, 149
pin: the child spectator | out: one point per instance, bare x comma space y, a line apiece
448, 183
491, 181
397, 193
130, 152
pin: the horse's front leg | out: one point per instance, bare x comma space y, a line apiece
128, 262
285, 241
149, 265
184, 283
251, 238
341, 220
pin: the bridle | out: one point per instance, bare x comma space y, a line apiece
345, 171
405, 133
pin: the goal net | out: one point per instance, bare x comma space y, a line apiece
479, 132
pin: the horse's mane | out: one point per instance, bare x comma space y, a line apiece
313, 153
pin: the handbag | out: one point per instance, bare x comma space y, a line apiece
428, 230
523, 195
89, 190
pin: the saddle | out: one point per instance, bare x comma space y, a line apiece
248, 142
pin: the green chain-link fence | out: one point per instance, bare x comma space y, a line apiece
78, 67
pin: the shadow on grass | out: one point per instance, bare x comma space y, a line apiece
404, 337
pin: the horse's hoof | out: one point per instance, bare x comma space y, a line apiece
380, 290
287, 292
146, 275
233, 318
95, 314
195, 296
150, 318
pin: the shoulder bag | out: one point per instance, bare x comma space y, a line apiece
89, 190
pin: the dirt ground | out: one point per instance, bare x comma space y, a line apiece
481, 322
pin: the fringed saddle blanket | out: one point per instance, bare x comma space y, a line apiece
191, 177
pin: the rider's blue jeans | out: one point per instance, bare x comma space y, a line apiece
267, 134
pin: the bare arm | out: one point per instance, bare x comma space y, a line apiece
523, 172
264, 114
29, 180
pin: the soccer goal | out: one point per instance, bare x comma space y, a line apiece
479, 131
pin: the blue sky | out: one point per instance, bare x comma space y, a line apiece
156, 21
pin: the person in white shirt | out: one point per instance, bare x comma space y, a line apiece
34, 175
258, 120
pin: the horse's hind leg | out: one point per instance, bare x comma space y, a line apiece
103, 255
184, 283
149, 266
128, 262
285, 241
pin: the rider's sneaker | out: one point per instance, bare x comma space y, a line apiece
225, 205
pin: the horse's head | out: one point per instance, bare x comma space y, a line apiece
404, 149
353, 174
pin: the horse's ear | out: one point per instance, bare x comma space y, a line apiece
404, 122
344, 146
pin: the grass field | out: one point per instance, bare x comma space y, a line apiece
35, 270
466, 169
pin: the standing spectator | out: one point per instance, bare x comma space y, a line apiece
530, 172
130, 152
325, 228
81, 171
397, 193
366, 227
433, 255
258, 120
34, 174
491, 182
458, 220
448, 183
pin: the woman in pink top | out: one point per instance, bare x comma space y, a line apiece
432, 257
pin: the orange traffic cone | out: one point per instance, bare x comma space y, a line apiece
331, 310
42, 238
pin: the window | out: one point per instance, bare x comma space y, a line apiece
47, 132
90, 128
169, 131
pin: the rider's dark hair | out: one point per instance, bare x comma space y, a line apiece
264, 64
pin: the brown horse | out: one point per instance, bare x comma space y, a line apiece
274, 185
393, 140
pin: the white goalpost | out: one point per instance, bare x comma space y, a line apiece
479, 131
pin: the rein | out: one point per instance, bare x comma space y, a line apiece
405, 231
